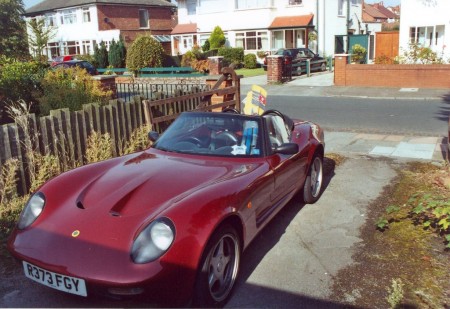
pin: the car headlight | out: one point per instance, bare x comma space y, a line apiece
153, 241
32, 210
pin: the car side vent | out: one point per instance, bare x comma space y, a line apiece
80, 205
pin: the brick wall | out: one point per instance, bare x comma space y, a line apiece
395, 75
274, 69
126, 19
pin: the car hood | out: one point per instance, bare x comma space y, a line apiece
151, 181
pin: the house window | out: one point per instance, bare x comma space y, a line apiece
252, 4
72, 48
54, 49
143, 19
86, 15
252, 40
191, 6
50, 20
295, 2
68, 17
86, 47
341, 8
412, 35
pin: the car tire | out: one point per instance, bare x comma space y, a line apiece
219, 269
313, 183
323, 67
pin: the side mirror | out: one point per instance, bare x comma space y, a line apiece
287, 149
153, 136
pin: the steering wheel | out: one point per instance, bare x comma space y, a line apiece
227, 138
194, 140
231, 110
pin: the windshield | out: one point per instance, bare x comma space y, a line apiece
220, 134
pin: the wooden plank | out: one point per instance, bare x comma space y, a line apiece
14, 142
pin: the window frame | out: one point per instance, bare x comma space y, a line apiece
143, 18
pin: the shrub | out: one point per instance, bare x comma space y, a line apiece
145, 52
383, 59
232, 55
70, 88
200, 66
99, 147
206, 46
188, 59
100, 55
358, 53
217, 38
20, 81
117, 54
250, 61
419, 54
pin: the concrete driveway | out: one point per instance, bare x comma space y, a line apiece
293, 262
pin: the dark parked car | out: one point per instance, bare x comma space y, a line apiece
297, 58
78, 63
172, 221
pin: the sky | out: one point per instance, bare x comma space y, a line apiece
30, 3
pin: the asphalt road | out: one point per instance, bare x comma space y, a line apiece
406, 116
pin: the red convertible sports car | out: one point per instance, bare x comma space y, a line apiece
170, 222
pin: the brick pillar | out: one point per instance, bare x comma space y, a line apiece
274, 69
340, 69
215, 65
107, 82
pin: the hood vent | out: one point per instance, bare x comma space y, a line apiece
80, 205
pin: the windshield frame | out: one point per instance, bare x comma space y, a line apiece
189, 128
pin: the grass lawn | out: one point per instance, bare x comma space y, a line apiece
250, 72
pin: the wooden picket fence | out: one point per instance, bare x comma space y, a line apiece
65, 134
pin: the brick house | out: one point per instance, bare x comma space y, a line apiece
81, 24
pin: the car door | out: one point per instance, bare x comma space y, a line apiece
288, 170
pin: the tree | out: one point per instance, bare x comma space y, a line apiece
145, 52
117, 54
101, 55
41, 34
217, 38
13, 37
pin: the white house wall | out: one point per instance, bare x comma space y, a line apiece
87, 32
212, 13
432, 16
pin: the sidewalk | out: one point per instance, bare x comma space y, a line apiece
321, 84
385, 145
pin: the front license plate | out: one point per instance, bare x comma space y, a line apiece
57, 281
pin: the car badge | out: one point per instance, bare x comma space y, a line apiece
75, 233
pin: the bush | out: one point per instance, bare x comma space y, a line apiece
358, 53
217, 38
188, 59
250, 61
232, 55
100, 56
20, 81
145, 52
171, 61
117, 54
206, 46
70, 88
